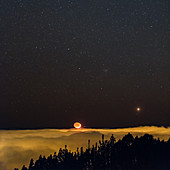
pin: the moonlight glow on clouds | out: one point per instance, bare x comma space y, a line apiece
18, 146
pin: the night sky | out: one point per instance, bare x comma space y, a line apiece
93, 61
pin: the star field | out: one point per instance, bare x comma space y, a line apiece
91, 61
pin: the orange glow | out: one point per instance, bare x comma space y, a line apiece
77, 125
41, 141
138, 109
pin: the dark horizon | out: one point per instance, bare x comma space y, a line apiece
71, 127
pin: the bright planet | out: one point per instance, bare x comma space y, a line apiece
138, 109
77, 125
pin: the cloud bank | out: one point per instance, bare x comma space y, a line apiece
17, 147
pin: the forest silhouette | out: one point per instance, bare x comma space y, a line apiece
128, 153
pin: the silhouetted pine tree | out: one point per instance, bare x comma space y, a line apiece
142, 153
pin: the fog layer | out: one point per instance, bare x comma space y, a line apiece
17, 147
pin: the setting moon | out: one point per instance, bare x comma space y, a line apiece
77, 125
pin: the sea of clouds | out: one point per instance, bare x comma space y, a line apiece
17, 147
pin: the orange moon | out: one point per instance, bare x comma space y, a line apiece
77, 125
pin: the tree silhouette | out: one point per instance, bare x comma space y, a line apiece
128, 153
31, 164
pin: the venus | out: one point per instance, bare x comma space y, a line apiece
77, 125
138, 109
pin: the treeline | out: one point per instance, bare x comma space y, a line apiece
129, 153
